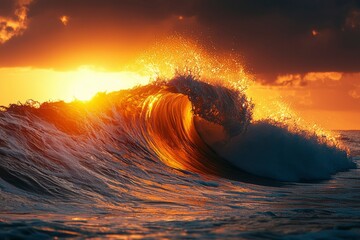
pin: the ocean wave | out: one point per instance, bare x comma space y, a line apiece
104, 146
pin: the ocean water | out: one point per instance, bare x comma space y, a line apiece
176, 159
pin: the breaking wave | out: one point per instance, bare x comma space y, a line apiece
104, 146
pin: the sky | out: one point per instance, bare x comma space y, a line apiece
306, 51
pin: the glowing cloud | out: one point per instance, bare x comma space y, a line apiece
322, 76
355, 92
14, 26
64, 20
314, 32
302, 80
290, 79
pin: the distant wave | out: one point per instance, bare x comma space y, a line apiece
61, 149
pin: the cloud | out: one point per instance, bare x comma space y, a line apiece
355, 93
277, 36
290, 80
323, 76
301, 80
333, 91
64, 20
320, 91
353, 19
273, 37
14, 23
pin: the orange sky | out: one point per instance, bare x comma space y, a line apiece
21, 84
51, 50
331, 104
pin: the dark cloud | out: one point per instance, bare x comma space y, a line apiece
332, 93
274, 37
138, 12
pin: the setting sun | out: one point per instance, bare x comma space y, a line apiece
86, 82
47, 84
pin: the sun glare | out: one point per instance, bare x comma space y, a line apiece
86, 82
51, 85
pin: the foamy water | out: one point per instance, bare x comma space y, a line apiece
177, 159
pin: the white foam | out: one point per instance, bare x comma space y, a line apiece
274, 152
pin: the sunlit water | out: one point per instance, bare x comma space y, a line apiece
136, 165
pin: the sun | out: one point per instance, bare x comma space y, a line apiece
87, 81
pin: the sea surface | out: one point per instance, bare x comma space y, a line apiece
179, 159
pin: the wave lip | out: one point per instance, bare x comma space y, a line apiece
217, 104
